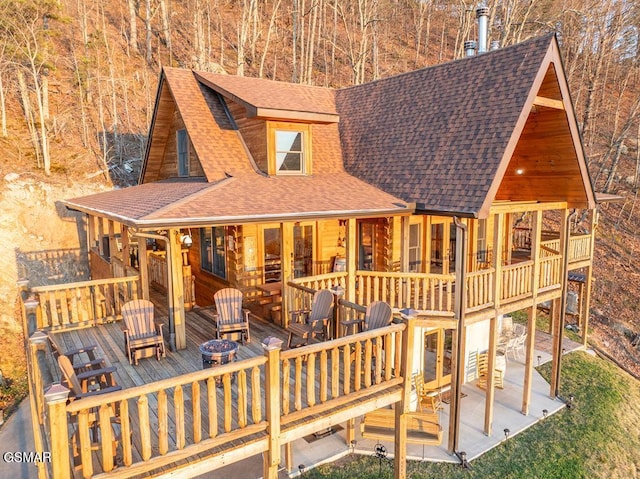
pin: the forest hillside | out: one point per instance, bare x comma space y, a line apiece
78, 81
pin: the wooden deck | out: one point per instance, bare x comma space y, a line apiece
170, 413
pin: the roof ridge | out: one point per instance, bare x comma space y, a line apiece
449, 63
170, 206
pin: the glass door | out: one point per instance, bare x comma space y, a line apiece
437, 358
443, 246
302, 251
272, 263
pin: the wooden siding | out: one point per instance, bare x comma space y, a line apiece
162, 123
254, 134
169, 165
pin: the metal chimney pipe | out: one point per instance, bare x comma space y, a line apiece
482, 14
470, 48
495, 45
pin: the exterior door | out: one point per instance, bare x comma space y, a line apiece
437, 358
443, 246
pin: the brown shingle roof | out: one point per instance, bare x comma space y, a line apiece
435, 137
274, 99
216, 143
242, 198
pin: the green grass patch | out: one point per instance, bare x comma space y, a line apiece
599, 438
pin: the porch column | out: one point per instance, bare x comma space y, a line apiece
143, 270
459, 336
586, 290
498, 244
352, 256
176, 296
286, 255
536, 237
113, 247
100, 235
561, 303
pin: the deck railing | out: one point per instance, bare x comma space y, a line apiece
86, 302
322, 281
550, 268
178, 420
580, 248
479, 288
185, 405
517, 281
320, 375
425, 292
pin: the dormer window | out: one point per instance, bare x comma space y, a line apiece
289, 149
182, 147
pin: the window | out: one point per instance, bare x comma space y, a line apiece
289, 147
182, 146
481, 243
213, 251
289, 152
303, 251
415, 263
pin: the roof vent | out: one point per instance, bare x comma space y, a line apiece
495, 45
482, 14
470, 48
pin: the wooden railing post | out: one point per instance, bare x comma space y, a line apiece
56, 400
31, 307
272, 347
402, 408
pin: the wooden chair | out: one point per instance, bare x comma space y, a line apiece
483, 371
82, 359
428, 399
378, 315
79, 383
230, 317
141, 332
88, 383
314, 322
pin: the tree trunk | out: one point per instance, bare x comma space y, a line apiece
28, 116
3, 111
133, 26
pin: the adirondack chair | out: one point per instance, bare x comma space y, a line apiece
483, 372
79, 383
311, 323
141, 332
230, 317
82, 359
378, 315
87, 383
428, 399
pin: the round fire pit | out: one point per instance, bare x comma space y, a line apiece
216, 352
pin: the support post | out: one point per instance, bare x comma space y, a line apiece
143, 267
457, 371
536, 238
352, 255
174, 259
498, 244
402, 408
586, 301
272, 347
56, 400
286, 258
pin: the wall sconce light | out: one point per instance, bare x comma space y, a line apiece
545, 413
186, 240
342, 239
506, 434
